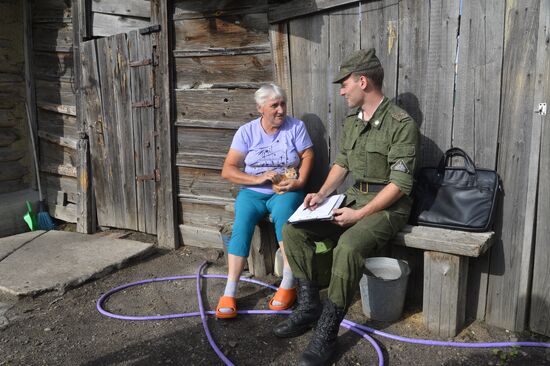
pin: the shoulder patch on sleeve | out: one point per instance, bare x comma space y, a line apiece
400, 166
399, 115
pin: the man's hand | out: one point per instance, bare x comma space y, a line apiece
313, 200
346, 216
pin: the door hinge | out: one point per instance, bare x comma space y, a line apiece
144, 62
155, 176
152, 29
143, 104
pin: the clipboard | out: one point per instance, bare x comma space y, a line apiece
322, 212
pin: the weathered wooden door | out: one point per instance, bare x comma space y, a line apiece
119, 110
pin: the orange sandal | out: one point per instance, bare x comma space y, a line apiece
286, 296
226, 302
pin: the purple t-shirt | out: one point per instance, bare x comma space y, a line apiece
271, 152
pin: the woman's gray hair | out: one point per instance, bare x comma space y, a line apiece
267, 92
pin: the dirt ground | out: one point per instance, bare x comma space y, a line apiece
66, 329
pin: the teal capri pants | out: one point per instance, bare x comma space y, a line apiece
251, 207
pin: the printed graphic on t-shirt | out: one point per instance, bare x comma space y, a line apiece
276, 156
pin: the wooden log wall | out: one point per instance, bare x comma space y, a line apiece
109, 17
15, 156
478, 98
54, 92
222, 54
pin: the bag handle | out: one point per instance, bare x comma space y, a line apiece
456, 151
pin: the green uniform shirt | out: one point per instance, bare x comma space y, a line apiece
382, 150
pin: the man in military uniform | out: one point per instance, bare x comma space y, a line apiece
378, 147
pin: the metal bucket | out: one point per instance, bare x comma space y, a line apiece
383, 288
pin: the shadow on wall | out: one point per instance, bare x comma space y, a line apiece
430, 152
318, 134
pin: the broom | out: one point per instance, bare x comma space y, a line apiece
45, 221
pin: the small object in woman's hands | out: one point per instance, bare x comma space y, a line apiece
290, 173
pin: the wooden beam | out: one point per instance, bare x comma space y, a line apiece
85, 222
133, 8
297, 8
59, 140
444, 305
84, 217
105, 25
221, 51
200, 236
59, 108
166, 218
443, 240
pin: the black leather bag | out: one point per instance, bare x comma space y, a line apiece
451, 197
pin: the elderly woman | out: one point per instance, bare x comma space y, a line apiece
262, 151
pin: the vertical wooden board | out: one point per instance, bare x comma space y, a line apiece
516, 103
124, 132
280, 51
478, 83
136, 84
539, 320
167, 229
379, 29
477, 110
148, 134
91, 110
413, 52
345, 38
426, 70
310, 73
143, 121
104, 149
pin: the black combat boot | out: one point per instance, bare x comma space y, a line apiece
305, 314
322, 346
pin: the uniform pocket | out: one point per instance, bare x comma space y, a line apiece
377, 160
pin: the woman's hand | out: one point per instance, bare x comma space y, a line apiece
266, 177
286, 185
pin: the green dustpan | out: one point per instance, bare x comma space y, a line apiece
30, 218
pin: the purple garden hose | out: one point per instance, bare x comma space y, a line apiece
357, 328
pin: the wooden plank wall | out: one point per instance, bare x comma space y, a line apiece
52, 41
15, 155
495, 87
222, 54
109, 17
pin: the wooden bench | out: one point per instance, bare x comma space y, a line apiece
446, 255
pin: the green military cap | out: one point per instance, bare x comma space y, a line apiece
358, 61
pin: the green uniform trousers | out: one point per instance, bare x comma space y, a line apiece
351, 245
